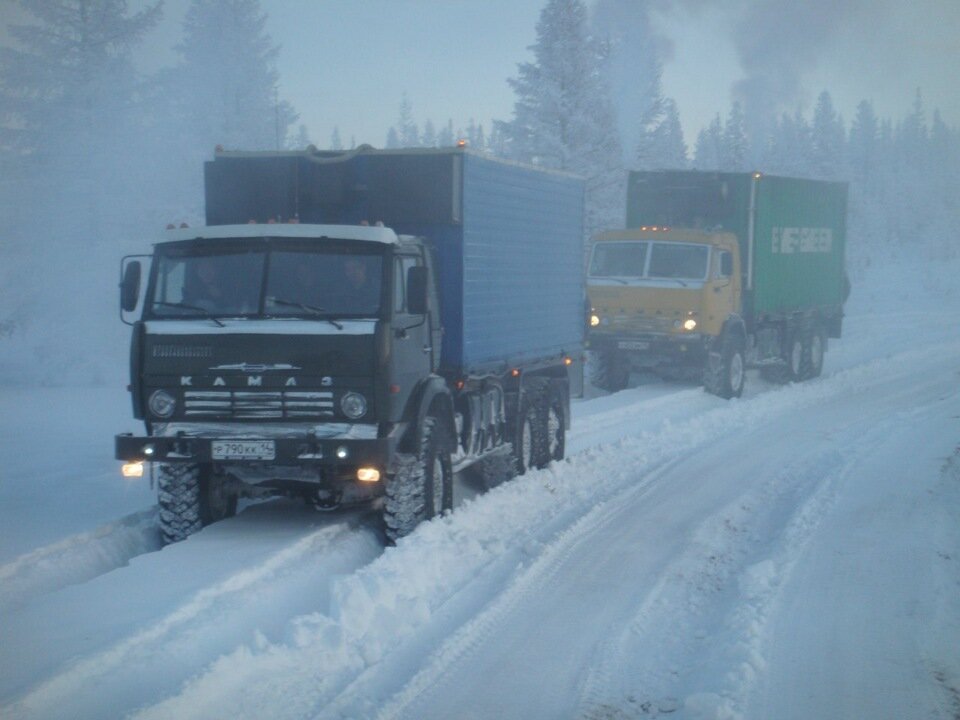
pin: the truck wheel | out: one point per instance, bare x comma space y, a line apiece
796, 357
422, 486
191, 496
497, 468
556, 431
609, 370
530, 439
725, 373
178, 498
816, 347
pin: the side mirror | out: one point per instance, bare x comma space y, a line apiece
130, 286
417, 290
726, 264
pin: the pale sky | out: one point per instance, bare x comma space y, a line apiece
347, 63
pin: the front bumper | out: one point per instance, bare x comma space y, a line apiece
334, 452
652, 349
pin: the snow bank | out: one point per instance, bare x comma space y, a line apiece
501, 532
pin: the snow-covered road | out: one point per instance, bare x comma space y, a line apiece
793, 554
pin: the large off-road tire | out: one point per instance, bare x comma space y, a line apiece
609, 370
797, 352
725, 373
815, 347
497, 468
793, 359
530, 433
191, 496
178, 498
555, 444
422, 486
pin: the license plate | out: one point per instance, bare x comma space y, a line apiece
242, 450
633, 345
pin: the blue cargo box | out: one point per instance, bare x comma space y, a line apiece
507, 237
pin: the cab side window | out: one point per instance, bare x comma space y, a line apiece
400, 266
724, 264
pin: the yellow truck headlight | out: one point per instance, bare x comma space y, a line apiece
594, 320
689, 324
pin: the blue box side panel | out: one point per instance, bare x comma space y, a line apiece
523, 287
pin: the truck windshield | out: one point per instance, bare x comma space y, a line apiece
618, 259
267, 282
678, 261
653, 260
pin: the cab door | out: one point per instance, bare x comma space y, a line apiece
723, 293
410, 339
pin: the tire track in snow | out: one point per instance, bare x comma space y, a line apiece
77, 559
325, 554
349, 704
744, 570
551, 561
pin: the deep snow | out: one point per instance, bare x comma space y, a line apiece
795, 553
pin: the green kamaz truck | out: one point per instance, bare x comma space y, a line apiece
717, 273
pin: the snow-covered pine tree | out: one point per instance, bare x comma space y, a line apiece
407, 131
707, 151
563, 117
70, 106
496, 145
790, 147
393, 139
335, 142
476, 139
429, 138
226, 83
734, 148
829, 139
446, 138
634, 72
863, 146
666, 148
303, 138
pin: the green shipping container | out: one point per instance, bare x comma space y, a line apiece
792, 232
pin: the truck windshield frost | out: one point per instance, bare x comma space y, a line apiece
655, 260
273, 282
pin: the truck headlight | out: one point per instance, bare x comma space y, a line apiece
689, 324
354, 405
162, 404
594, 320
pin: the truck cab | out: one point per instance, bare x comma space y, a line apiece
715, 273
663, 292
286, 355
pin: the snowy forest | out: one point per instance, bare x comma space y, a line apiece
97, 155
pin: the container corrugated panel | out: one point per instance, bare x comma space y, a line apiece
523, 285
799, 244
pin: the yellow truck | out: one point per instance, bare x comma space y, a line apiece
717, 273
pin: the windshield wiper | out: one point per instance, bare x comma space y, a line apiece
185, 306
676, 280
309, 308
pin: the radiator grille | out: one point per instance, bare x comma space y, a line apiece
250, 405
183, 351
